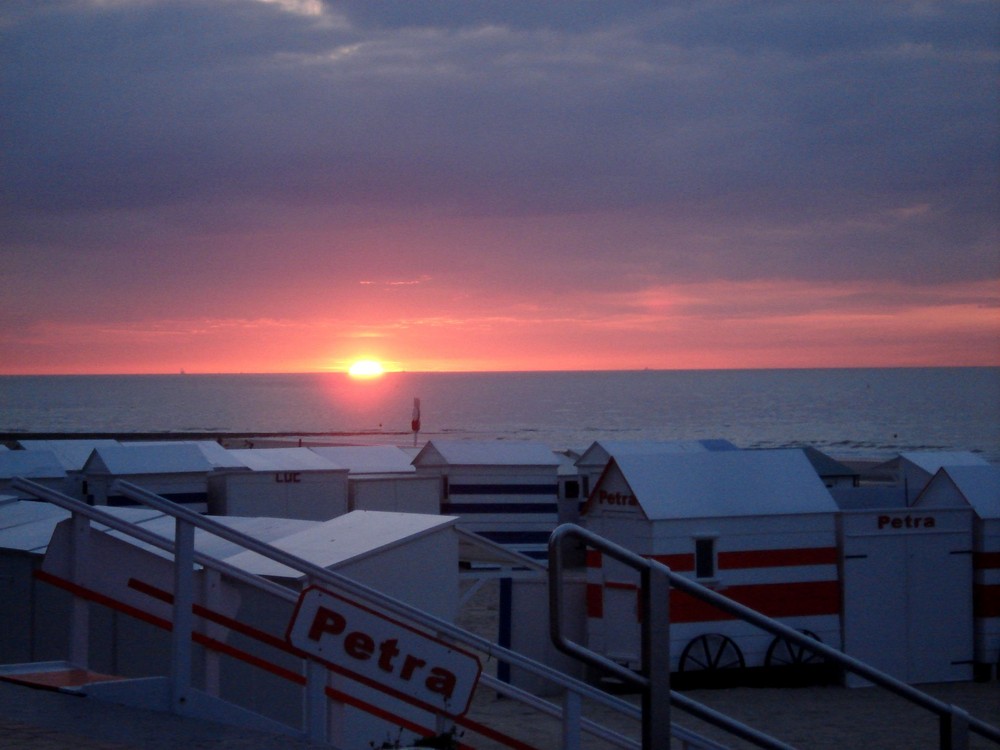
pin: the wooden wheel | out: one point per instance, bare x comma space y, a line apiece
711, 652
784, 653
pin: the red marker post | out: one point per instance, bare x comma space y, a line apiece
415, 421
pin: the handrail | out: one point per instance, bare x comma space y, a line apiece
647, 682
322, 575
953, 720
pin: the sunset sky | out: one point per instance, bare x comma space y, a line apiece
292, 185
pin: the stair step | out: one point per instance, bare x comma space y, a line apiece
53, 675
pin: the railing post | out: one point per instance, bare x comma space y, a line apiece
180, 652
954, 728
79, 637
656, 657
571, 715
316, 702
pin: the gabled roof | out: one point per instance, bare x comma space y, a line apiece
353, 536
72, 453
368, 459
485, 453
31, 464
284, 459
139, 458
218, 456
979, 485
931, 461
723, 483
600, 451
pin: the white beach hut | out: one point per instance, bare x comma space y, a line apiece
978, 488
38, 465
506, 491
758, 526
382, 477
176, 471
284, 482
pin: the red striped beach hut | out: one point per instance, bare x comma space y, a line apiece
757, 526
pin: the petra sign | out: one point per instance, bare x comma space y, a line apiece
906, 522
382, 652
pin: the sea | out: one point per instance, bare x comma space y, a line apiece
844, 412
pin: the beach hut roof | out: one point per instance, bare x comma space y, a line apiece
30, 464
72, 453
931, 461
724, 483
601, 450
368, 459
353, 536
284, 459
979, 485
218, 456
143, 458
827, 466
485, 453
27, 525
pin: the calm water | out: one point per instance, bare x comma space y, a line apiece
872, 411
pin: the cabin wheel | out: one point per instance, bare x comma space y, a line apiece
784, 653
711, 652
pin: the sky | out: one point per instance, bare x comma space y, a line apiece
292, 185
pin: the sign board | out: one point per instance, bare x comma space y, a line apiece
383, 653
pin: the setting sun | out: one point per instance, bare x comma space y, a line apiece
365, 368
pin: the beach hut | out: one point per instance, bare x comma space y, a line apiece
38, 465
382, 477
758, 526
176, 471
506, 491
592, 462
283, 482
977, 488
72, 453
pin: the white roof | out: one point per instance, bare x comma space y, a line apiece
143, 458
330, 544
260, 528
601, 450
219, 457
283, 459
31, 464
980, 486
368, 459
724, 483
485, 453
27, 525
71, 452
931, 461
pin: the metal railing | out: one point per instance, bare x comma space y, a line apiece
315, 702
954, 723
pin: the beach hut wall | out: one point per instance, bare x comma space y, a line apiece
508, 492
283, 482
976, 488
